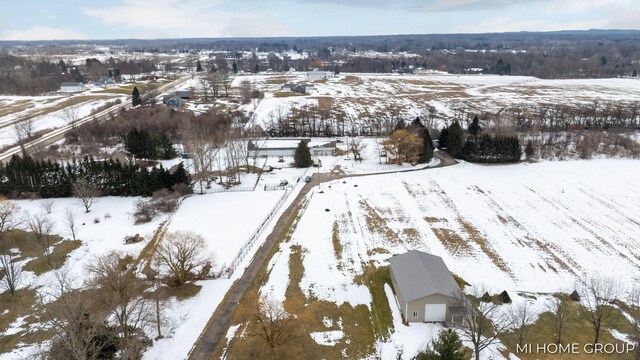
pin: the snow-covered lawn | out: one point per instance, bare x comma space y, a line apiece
534, 228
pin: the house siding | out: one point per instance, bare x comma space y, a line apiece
418, 306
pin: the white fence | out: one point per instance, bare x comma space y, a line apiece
246, 247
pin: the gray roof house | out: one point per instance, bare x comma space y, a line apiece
173, 101
425, 288
105, 81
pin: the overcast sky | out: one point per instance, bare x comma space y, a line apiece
146, 19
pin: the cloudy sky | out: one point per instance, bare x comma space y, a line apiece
147, 19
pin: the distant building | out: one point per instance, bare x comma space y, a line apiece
72, 86
173, 101
298, 88
320, 75
105, 81
287, 147
184, 94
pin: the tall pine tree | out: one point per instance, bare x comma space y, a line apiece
427, 146
455, 139
135, 97
474, 127
235, 67
302, 157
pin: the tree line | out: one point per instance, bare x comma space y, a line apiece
48, 179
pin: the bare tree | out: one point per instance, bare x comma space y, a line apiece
71, 223
71, 115
47, 205
182, 253
10, 219
559, 309
24, 130
274, 324
42, 228
78, 327
598, 295
521, 318
121, 291
12, 273
204, 84
481, 325
86, 192
356, 146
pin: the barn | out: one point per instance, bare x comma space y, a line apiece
425, 288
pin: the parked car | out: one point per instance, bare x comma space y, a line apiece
307, 179
284, 183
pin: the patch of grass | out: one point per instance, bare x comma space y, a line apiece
183, 292
460, 281
375, 279
20, 304
453, 242
286, 94
59, 256
335, 239
377, 224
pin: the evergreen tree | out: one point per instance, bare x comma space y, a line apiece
448, 346
198, 66
634, 73
141, 144
235, 68
135, 97
302, 157
443, 139
427, 146
400, 125
256, 69
165, 147
474, 127
528, 151
455, 139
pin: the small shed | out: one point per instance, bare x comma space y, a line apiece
425, 288
71, 86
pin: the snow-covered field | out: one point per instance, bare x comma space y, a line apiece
521, 228
361, 96
45, 112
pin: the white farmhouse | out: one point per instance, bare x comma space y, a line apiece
71, 86
320, 75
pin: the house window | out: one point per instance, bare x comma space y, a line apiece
415, 314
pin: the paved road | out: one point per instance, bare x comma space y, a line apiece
219, 322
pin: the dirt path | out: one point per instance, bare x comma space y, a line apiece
219, 322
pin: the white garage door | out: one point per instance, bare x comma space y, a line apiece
435, 312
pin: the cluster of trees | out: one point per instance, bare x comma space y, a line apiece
145, 145
24, 175
110, 315
476, 147
487, 148
22, 76
562, 117
411, 144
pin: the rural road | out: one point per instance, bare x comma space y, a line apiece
219, 322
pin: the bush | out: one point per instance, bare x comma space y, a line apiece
144, 211
164, 200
